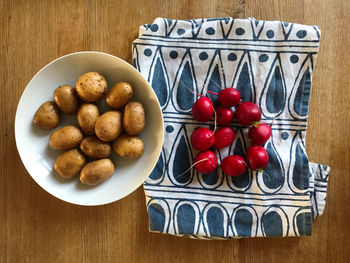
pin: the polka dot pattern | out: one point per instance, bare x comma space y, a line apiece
263, 58
147, 52
203, 56
173, 54
232, 57
240, 31
210, 31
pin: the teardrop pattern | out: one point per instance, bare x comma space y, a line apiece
186, 210
180, 160
158, 212
215, 221
272, 224
184, 97
302, 223
276, 96
214, 83
243, 222
273, 177
298, 100
159, 83
244, 85
301, 168
273, 97
212, 178
158, 171
303, 94
298, 169
157, 217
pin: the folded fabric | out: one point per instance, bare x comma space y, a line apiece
271, 63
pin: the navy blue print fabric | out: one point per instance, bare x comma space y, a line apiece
271, 63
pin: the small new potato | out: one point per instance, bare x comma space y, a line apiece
47, 116
65, 138
97, 171
128, 146
133, 118
69, 163
91, 86
66, 99
87, 116
109, 126
119, 95
95, 148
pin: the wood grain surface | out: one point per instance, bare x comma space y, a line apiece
36, 227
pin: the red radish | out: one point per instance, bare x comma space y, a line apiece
247, 113
205, 162
224, 137
233, 165
259, 133
229, 97
202, 109
257, 157
202, 139
224, 115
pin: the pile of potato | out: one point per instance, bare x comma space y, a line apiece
95, 134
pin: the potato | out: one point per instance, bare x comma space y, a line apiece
95, 148
47, 116
133, 118
109, 126
87, 116
66, 99
69, 163
65, 138
91, 86
128, 146
97, 171
119, 95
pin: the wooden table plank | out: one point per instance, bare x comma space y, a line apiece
37, 227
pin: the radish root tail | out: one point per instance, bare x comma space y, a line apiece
191, 90
206, 159
263, 172
214, 120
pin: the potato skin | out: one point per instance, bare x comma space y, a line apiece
133, 118
119, 95
97, 171
128, 146
87, 116
95, 148
69, 163
66, 99
91, 86
109, 126
65, 138
47, 116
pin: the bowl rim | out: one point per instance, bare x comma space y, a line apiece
128, 65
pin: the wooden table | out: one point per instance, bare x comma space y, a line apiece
36, 227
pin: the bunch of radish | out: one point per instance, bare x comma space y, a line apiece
204, 140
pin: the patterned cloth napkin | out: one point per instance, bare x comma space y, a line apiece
271, 63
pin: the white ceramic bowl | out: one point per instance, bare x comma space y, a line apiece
32, 142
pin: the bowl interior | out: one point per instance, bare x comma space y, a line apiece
32, 143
